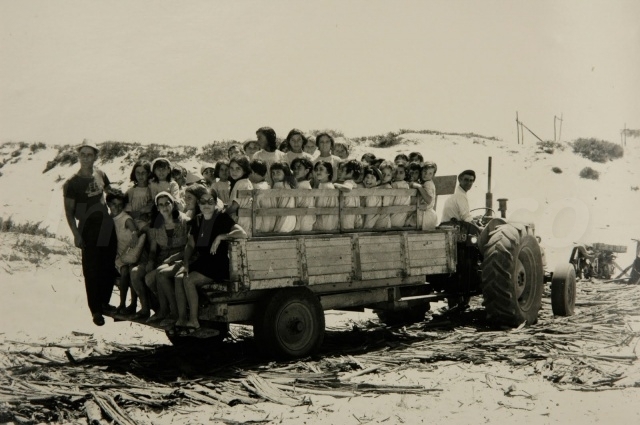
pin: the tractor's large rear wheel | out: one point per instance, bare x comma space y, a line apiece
512, 276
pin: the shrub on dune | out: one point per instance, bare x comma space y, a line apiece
597, 150
589, 173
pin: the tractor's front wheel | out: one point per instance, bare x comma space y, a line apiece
563, 290
512, 276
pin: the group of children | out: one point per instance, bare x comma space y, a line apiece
295, 165
263, 164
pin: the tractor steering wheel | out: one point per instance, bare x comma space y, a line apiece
482, 221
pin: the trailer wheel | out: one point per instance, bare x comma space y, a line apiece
634, 277
405, 316
512, 276
290, 323
563, 290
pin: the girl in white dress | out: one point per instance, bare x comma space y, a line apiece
372, 178
429, 216
325, 144
283, 178
161, 181
302, 169
139, 197
296, 140
239, 171
323, 173
263, 223
222, 185
268, 152
348, 172
399, 182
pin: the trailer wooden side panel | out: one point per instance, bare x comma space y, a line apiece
308, 260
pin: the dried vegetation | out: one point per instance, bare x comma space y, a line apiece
68, 379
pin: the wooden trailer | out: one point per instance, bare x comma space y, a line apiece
282, 283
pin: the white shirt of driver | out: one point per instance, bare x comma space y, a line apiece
457, 206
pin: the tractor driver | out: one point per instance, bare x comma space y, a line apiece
457, 206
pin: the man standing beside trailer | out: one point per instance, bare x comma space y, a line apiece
94, 230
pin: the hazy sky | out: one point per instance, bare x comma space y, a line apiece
192, 72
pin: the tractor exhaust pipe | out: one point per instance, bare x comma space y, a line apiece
489, 197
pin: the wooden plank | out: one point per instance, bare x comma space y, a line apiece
353, 299
375, 257
429, 270
377, 210
262, 212
381, 274
245, 281
355, 257
285, 282
317, 270
234, 266
262, 244
384, 248
383, 209
302, 260
428, 253
445, 185
424, 262
298, 193
329, 250
282, 253
452, 251
329, 259
395, 264
271, 212
254, 206
271, 264
350, 284
428, 240
382, 192
404, 253
330, 278
323, 243
274, 273
423, 245
380, 240
305, 193
431, 236
341, 207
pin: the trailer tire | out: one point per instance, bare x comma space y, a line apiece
290, 323
405, 316
563, 290
512, 276
634, 277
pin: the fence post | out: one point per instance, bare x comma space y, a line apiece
560, 129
